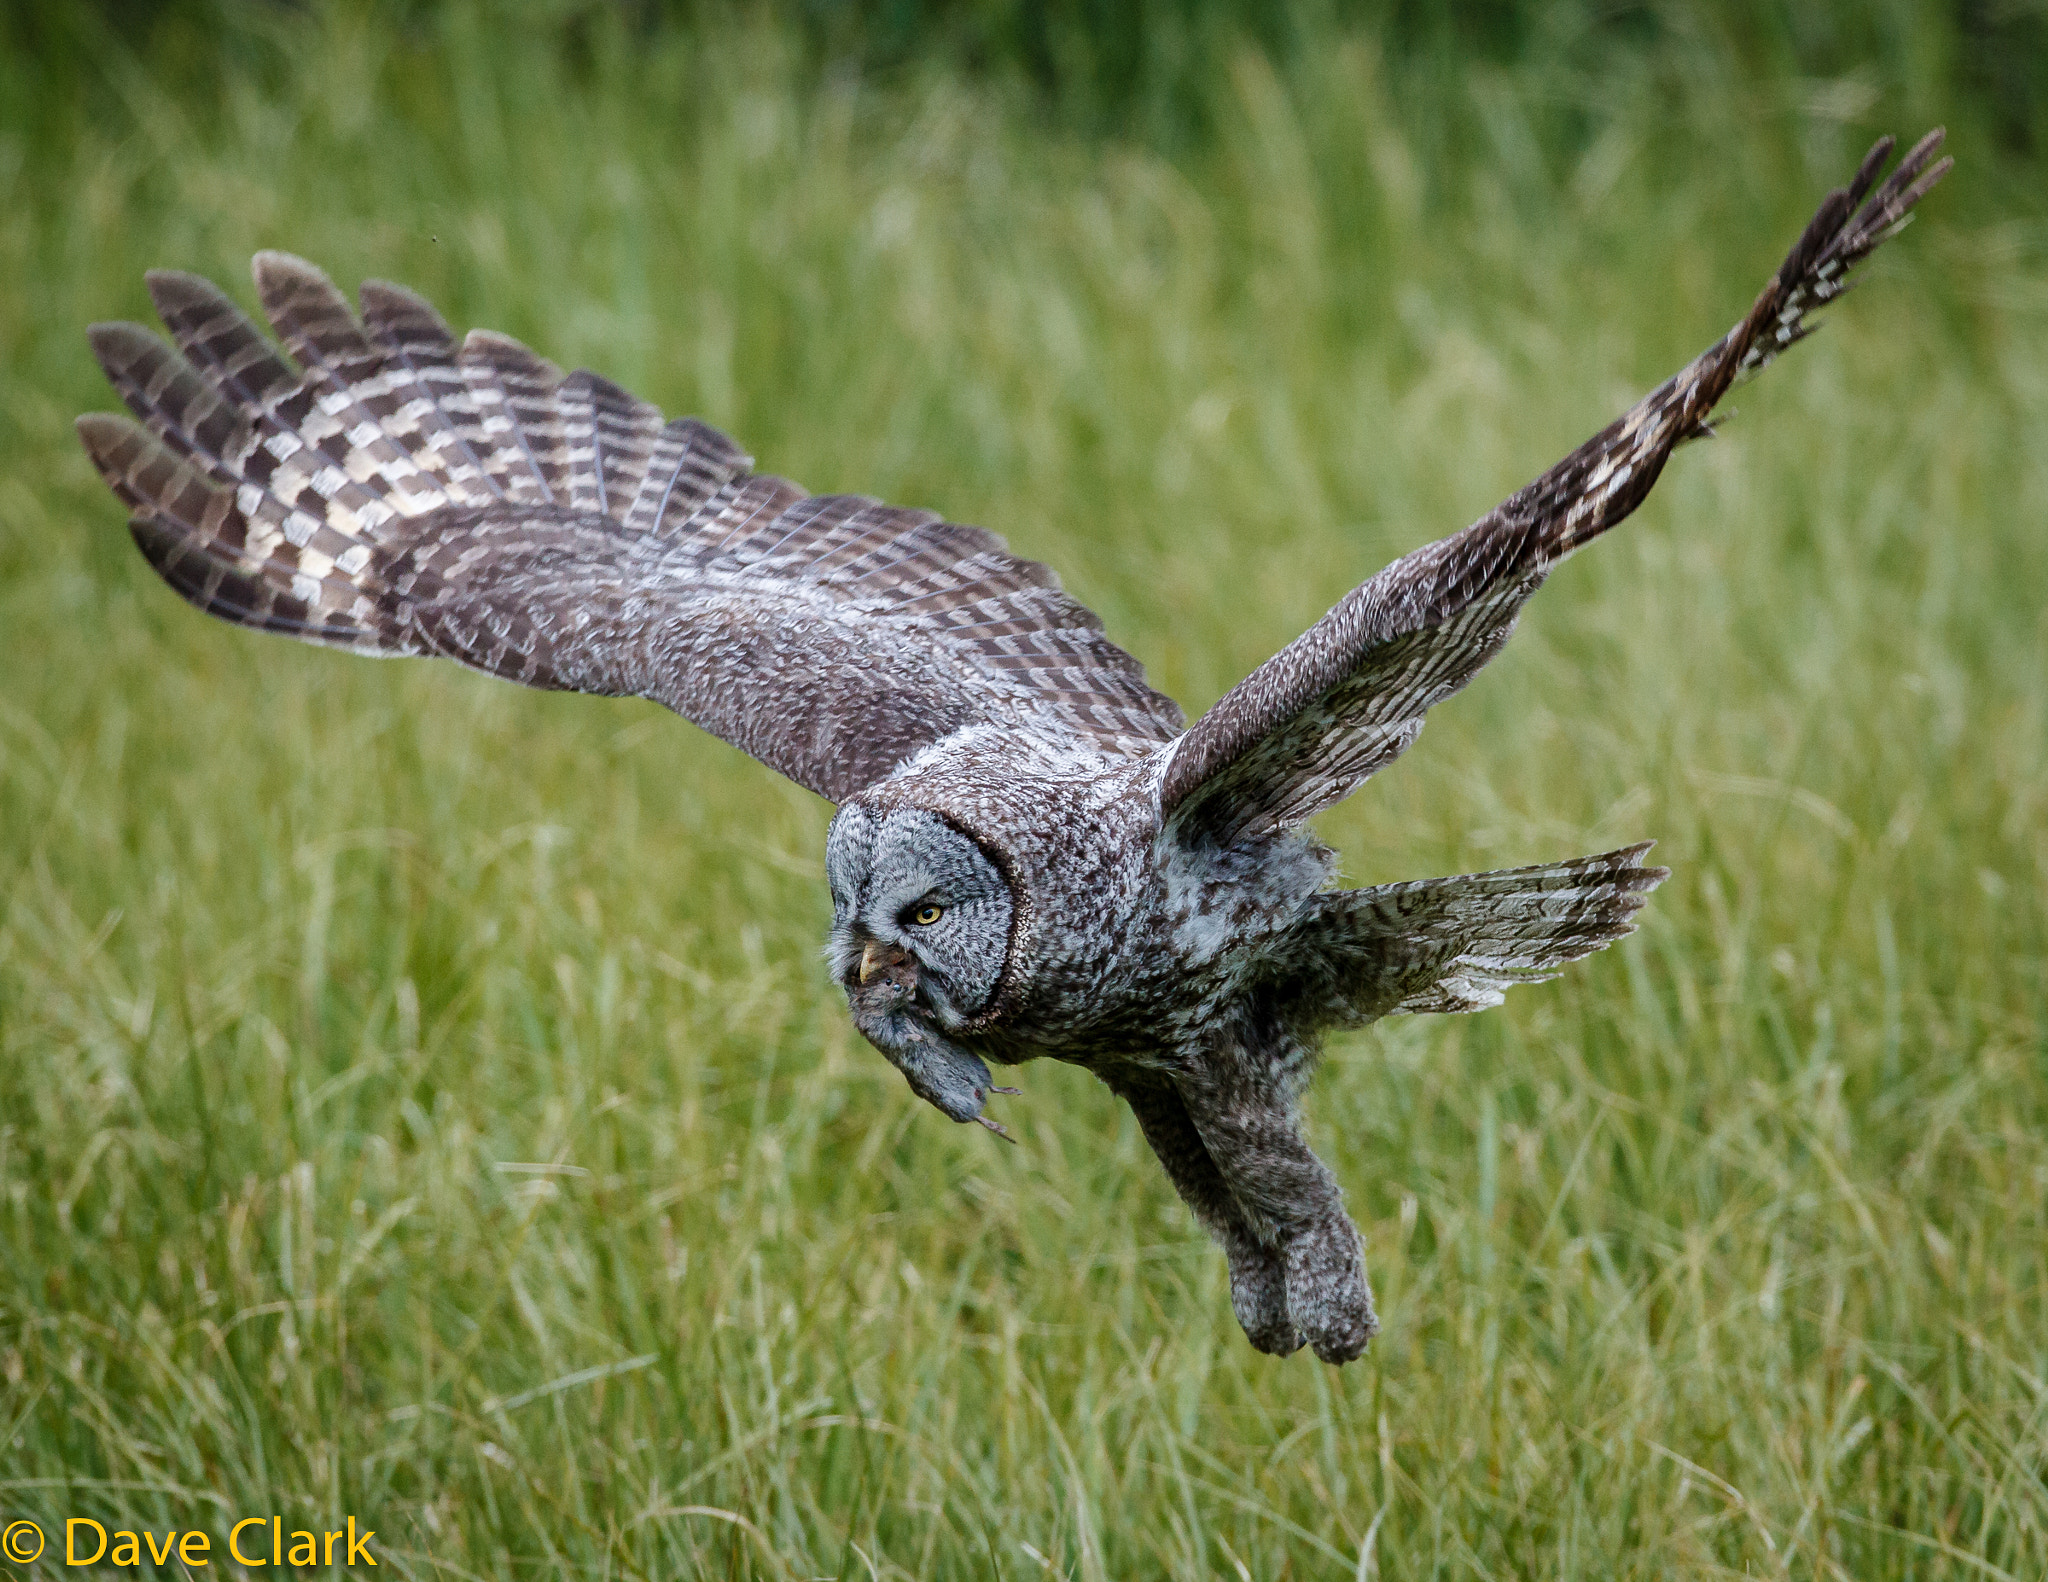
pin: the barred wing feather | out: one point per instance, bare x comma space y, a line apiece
398, 492
1348, 696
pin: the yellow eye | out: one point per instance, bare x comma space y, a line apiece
927, 915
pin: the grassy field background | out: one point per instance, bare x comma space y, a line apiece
421, 1099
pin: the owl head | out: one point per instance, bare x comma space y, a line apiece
920, 905
921, 939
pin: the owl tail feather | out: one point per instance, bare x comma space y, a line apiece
1459, 944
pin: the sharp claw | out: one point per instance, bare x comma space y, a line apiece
996, 1127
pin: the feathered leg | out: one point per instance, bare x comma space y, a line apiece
1258, 1276
1239, 1093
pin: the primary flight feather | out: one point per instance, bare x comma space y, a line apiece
1031, 855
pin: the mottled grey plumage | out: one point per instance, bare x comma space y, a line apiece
1031, 856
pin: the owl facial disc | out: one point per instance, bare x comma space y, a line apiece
918, 903
920, 935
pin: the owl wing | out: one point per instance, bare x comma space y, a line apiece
1343, 700
398, 492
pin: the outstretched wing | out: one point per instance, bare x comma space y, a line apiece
1306, 728
1460, 944
399, 493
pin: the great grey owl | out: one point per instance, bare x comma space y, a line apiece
1032, 853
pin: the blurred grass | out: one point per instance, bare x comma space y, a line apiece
420, 1098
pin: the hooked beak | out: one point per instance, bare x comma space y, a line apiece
879, 957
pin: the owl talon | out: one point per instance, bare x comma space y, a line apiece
1258, 1296
1327, 1291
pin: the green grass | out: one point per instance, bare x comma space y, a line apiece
422, 1099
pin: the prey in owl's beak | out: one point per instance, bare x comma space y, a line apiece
882, 992
890, 962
